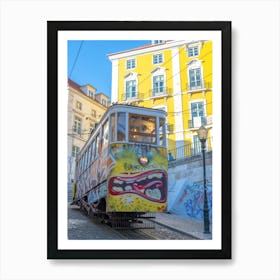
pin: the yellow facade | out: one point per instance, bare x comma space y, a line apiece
186, 94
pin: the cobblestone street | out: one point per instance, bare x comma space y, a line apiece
84, 228
166, 227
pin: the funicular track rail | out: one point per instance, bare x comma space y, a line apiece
137, 226
136, 231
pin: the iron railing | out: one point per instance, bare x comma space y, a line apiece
199, 85
152, 93
197, 122
160, 91
189, 150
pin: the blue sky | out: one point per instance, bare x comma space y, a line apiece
88, 63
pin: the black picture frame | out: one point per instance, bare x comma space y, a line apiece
53, 27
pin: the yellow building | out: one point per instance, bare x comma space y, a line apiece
172, 75
85, 109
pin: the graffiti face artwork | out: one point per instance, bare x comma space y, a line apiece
138, 179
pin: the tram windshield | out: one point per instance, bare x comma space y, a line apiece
142, 129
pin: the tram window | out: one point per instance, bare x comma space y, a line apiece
86, 158
82, 163
93, 150
142, 129
97, 145
105, 133
121, 127
113, 136
80, 166
90, 154
162, 132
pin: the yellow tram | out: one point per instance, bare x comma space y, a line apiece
122, 168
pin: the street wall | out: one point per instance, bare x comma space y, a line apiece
186, 187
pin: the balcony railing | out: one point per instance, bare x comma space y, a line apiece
152, 93
160, 91
197, 122
199, 85
189, 150
124, 97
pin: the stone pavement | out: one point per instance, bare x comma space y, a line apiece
190, 226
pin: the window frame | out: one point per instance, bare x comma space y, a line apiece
79, 105
130, 63
76, 121
194, 74
192, 48
104, 102
112, 128
156, 59
151, 135
130, 96
107, 131
76, 151
204, 110
125, 128
130, 77
194, 65
158, 87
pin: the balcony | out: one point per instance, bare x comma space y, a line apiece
160, 91
197, 122
124, 98
150, 94
198, 86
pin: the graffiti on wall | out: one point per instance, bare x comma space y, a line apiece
190, 200
194, 200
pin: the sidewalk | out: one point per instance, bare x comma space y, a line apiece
190, 226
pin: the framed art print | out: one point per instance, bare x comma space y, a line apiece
139, 140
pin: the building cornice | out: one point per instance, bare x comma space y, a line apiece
149, 49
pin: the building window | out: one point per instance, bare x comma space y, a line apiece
130, 86
103, 102
130, 63
157, 58
196, 145
77, 125
156, 42
195, 78
90, 93
93, 113
197, 114
158, 85
193, 51
75, 151
78, 105
130, 89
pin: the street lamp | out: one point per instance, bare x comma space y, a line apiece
202, 135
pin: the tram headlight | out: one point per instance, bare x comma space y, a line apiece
143, 160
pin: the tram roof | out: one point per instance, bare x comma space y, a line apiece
117, 107
129, 107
